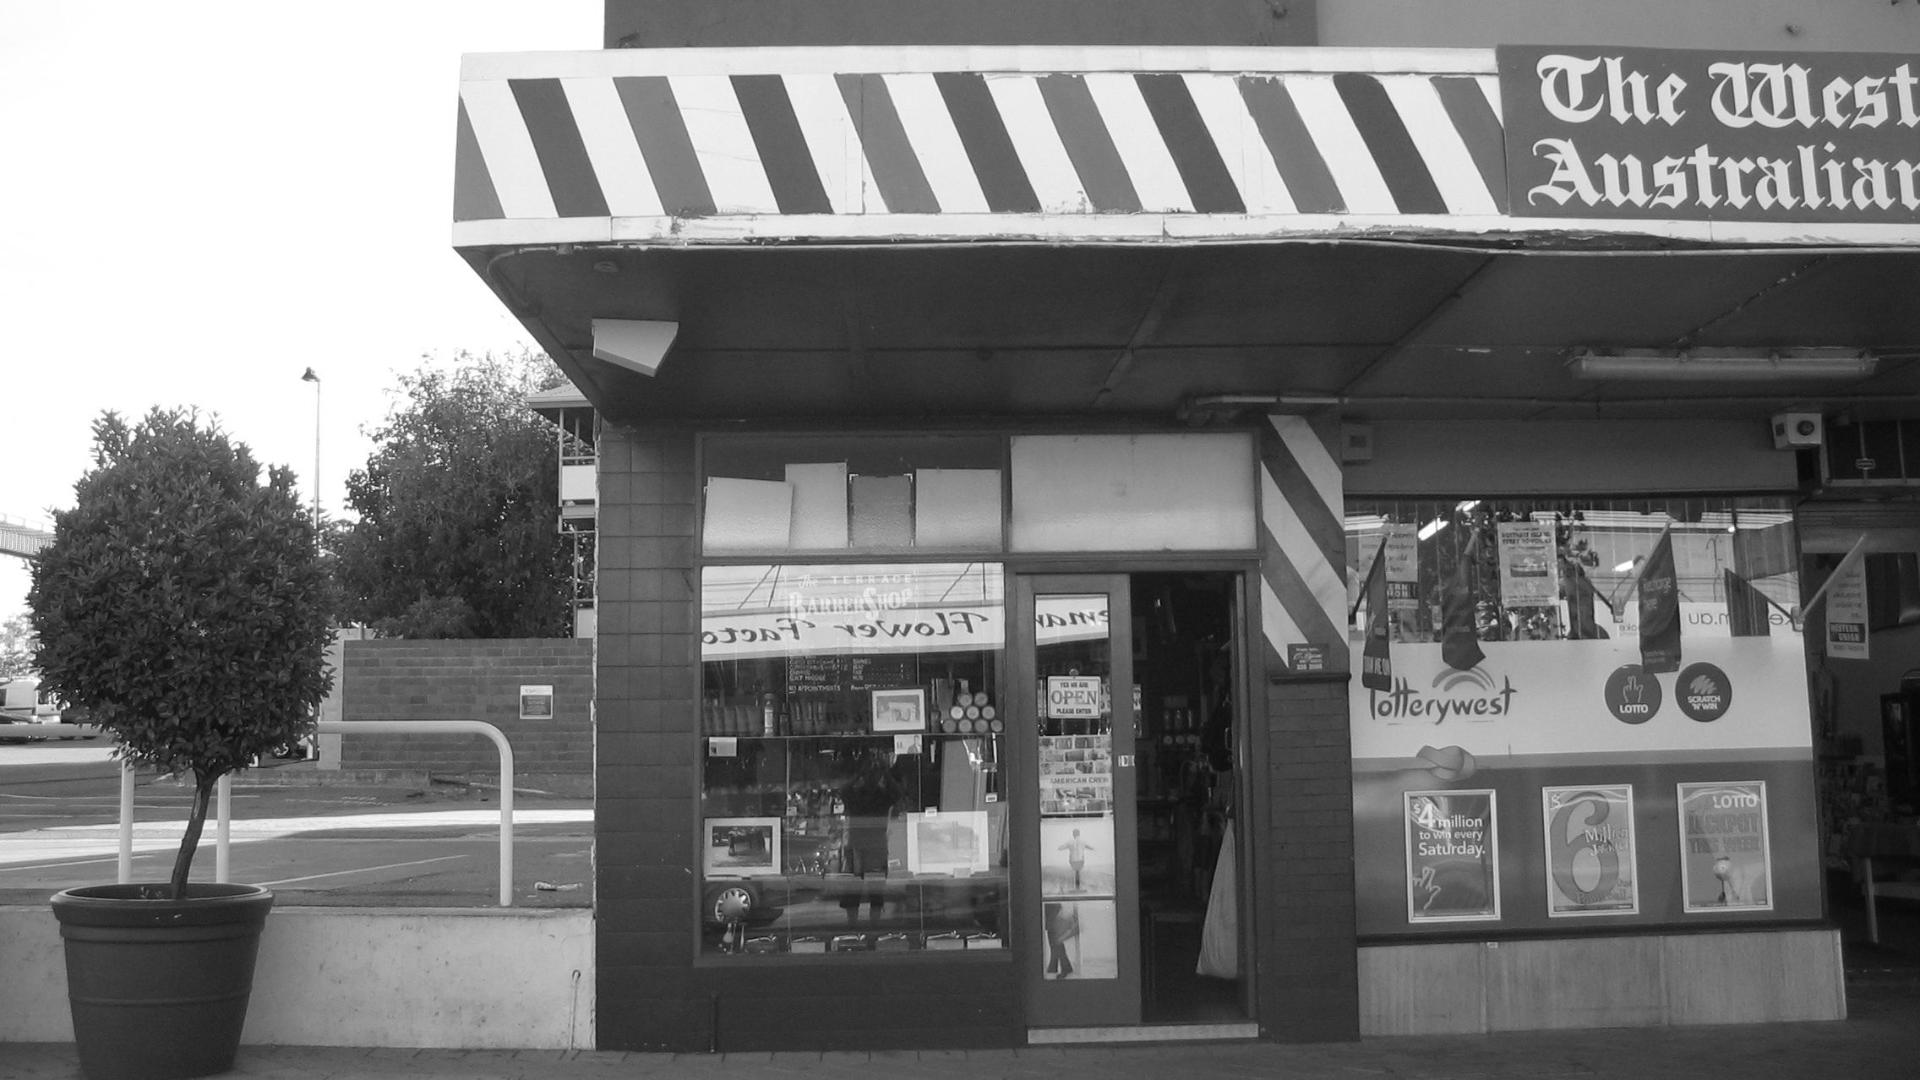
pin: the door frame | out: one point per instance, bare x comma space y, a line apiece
1079, 1003
1251, 750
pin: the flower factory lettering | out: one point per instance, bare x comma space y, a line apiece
1617, 132
917, 627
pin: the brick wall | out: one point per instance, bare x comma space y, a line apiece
469, 680
647, 772
1309, 990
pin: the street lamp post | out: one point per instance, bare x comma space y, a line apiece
309, 376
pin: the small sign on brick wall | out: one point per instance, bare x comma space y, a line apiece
536, 702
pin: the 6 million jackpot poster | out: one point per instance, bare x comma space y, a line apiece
1590, 862
1453, 867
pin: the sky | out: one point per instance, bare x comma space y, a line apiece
201, 200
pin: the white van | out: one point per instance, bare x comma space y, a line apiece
23, 702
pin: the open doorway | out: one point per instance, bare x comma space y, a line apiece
1189, 715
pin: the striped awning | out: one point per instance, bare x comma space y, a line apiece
946, 143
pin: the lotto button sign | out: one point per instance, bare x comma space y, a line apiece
1632, 694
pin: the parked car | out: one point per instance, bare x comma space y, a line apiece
23, 702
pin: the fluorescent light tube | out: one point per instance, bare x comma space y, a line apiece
1703, 365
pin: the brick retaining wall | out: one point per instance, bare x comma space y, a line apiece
469, 680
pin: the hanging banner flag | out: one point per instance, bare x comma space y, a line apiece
1403, 568
1660, 609
1583, 621
1376, 662
1748, 613
1459, 640
1847, 610
1527, 564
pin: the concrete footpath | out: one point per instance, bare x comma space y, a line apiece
1881, 1038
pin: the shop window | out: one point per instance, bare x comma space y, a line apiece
866, 494
1161, 492
1579, 715
853, 734
1556, 570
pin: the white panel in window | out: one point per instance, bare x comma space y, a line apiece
1166, 492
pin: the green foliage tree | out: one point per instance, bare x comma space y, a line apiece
456, 533
16, 646
182, 601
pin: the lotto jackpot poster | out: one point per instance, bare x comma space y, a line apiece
1725, 851
1453, 869
1590, 850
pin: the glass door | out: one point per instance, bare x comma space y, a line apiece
1073, 682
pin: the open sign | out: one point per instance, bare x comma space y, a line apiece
1073, 697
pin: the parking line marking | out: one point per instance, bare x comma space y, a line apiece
361, 870
76, 862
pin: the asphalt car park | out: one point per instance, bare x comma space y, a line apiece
313, 842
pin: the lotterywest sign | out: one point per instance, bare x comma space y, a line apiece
1602, 131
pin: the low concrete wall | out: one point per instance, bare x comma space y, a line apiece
455, 978
1643, 981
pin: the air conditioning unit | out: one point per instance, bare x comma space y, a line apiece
1797, 430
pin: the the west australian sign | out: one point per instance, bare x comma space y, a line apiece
1604, 131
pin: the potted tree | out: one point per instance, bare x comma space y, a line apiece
183, 602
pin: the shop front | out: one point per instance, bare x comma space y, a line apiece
916, 765
1192, 543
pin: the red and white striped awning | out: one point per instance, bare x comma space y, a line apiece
955, 144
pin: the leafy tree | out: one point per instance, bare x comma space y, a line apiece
16, 646
182, 601
456, 533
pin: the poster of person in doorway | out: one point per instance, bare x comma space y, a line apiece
1063, 938
1082, 939
1726, 856
1076, 856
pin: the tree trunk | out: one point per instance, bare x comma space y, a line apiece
196, 821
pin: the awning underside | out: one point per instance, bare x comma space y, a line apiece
1031, 330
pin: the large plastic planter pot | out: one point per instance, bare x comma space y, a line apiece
159, 988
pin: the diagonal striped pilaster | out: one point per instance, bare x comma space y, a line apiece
1302, 543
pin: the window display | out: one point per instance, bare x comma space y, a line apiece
1552, 695
1565, 570
852, 798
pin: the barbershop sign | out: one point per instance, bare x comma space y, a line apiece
1602, 131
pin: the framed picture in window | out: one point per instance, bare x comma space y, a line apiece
742, 847
950, 843
899, 710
